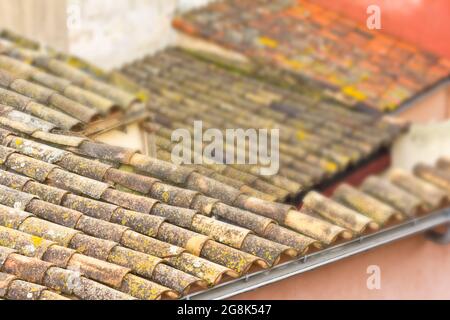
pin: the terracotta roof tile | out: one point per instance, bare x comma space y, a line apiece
84, 167
151, 246
106, 152
160, 169
51, 212
93, 247
59, 256
50, 295
28, 245
29, 123
32, 270
12, 288
134, 202
13, 218
29, 166
105, 272
338, 214
142, 223
27, 105
14, 198
101, 229
436, 176
45, 193
62, 280
109, 274
444, 163
427, 192
92, 208
60, 89
136, 182
361, 202
387, 192
42, 228
211, 272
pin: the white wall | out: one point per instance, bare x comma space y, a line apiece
424, 143
110, 33
105, 32
41, 20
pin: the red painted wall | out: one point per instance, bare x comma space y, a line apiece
425, 23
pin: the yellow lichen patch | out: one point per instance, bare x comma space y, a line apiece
74, 62
204, 269
82, 249
268, 42
37, 241
18, 142
28, 60
294, 64
390, 106
165, 196
330, 166
79, 64
353, 92
120, 187
126, 168
140, 263
144, 267
124, 221
301, 135
143, 96
144, 289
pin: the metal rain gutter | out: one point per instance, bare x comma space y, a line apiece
420, 96
323, 257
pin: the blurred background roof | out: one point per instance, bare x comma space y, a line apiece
405, 19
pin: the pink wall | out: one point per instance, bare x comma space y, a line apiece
412, 268
432, 107
424, 23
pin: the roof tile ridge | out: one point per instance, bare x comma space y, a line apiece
101, 270
54, 277
276, 204
130, 241
59, 176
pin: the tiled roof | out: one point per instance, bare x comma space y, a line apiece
81, 219
352, 63
131, 235
53, 87
12, 288
318, 139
